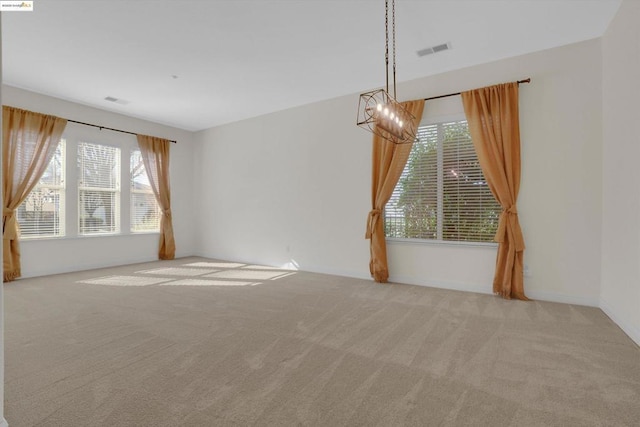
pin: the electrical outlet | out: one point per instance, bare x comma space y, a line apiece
527, 271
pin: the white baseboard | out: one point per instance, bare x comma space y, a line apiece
337, 272
466, 287
36, 272
564, 299
310, 268
4, 423
488, 289
627, 327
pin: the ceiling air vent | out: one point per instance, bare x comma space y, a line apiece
434, 49
116, 100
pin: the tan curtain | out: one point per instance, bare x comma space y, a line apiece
492, 114
155, 156
388, 162
29, 140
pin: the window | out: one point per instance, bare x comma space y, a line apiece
145, 212
98, 189
442, 193
92, 188
42, 212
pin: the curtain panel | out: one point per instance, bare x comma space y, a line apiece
155, 156
388, 162
493, 117
29, 141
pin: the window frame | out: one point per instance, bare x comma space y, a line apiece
133, 192
73, 135
61, 188
116, 191
439, 241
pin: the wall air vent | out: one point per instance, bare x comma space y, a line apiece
434, 49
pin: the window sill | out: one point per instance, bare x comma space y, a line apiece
88, 236
429, 242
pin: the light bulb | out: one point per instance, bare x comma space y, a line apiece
397, 120
392, 115
379, 107
400, 123
386, 111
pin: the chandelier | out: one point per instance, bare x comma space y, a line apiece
378, 111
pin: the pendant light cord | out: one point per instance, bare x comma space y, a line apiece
386, 41
393, 41
393, 23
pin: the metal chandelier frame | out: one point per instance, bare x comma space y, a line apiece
378, 111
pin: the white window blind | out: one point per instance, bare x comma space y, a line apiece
442, 193
42, 212
145, 212
98, 189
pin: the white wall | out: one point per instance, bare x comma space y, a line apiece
293, 187
620, 296
3, 422
50, 256
289, 188
560, 198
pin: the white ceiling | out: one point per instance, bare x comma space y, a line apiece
236, 59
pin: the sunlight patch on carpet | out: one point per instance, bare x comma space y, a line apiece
248, 274
200, 282
177, 271
215, 264
125, 281
263, 267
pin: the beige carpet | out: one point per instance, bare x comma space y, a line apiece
195, 342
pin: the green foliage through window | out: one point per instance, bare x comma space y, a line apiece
442, 193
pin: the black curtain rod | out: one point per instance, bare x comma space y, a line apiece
527, 80
104, 127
